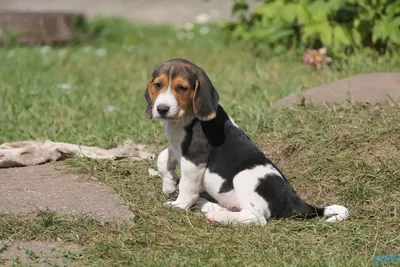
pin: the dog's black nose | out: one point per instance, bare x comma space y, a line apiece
162, 109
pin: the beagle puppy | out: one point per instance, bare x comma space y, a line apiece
215, 155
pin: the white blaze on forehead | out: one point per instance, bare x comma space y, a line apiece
168, 99
170, 78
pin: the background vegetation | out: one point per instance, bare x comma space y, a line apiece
342, 26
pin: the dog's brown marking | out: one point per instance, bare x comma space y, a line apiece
153, 91
184, 99
210, 117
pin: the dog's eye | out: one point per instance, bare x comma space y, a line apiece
158, 86
181, 89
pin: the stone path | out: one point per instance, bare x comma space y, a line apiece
371, 88
38, 254
42, 187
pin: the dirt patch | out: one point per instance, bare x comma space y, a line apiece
370, 88
41, 187
37, 253
375, 155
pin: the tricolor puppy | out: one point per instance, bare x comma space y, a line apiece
216, 156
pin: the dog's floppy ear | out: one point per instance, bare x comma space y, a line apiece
149, 109
206, 98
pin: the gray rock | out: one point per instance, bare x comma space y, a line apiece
42, 187
370, 88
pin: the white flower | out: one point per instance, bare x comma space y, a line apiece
204, 30
110, 108
180, 35
64, 86
44, 49
11, 53
101, 52
202, 18
87, 49
188, 26
153, 172
131, 48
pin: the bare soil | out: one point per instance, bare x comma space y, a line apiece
35, 253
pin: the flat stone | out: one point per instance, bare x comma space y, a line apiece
35, 253
40, 27
370, 88
42, 187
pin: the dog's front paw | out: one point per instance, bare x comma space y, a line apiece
168, 189
175, 204
169, 185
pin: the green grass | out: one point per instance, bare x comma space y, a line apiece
34, 107
346, 155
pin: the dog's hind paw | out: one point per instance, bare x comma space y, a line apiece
175, 204
207, 206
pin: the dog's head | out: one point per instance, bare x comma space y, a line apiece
178, 86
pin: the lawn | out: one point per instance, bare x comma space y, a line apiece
92, 94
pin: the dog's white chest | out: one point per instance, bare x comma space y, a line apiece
175, 135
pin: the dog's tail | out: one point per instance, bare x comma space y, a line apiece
336, 213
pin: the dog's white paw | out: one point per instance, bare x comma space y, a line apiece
208, 206
175, 204
168, 188
213, 216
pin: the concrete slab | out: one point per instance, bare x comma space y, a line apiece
36, 253
370, 88
41, 187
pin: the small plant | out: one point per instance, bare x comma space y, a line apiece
16, 262
9, 37
3, 246
341, 26
31, 254
48, 218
